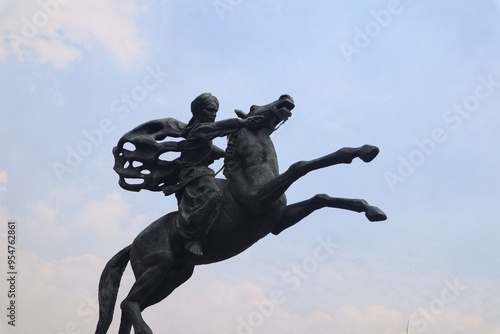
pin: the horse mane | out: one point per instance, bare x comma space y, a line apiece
230, 163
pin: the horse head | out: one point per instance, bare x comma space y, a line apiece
246, 148
272, 113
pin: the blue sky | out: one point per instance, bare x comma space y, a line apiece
419, 79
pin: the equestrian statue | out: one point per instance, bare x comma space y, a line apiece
217, 218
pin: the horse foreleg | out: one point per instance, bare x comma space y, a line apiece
298, 211
276, 187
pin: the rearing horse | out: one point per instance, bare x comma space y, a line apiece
253, 206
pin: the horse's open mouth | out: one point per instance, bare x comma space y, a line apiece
282, 109
286, 102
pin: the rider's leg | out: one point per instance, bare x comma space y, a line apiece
198, 207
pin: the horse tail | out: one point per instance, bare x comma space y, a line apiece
108, 288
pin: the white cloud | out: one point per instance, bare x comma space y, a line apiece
222, 307
246, 308
452, 321
4, 178
45, 223
4, 216
100, 225
58, 32
107, 218
57, 295
53, 296
369, 318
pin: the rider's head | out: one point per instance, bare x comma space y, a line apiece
203, 101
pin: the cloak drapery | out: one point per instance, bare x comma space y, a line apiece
137, 155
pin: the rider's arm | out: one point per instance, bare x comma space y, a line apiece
217, 153
209, 131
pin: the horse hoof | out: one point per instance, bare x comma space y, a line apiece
374, 214
368, 153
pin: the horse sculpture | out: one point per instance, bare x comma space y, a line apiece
253, 206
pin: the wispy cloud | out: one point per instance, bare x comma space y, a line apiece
59, 32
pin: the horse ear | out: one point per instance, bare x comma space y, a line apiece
240, 114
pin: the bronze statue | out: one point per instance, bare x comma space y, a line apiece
217, 218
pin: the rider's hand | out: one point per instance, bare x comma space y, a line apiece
252, 121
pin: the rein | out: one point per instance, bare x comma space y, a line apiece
220, 170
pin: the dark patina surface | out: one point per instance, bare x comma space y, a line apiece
217, 218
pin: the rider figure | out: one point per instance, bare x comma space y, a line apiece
197, 192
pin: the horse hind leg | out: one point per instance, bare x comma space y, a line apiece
156, 267
174, 278
125, 325
298, 211
373, 213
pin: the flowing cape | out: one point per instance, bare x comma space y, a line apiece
137, 155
